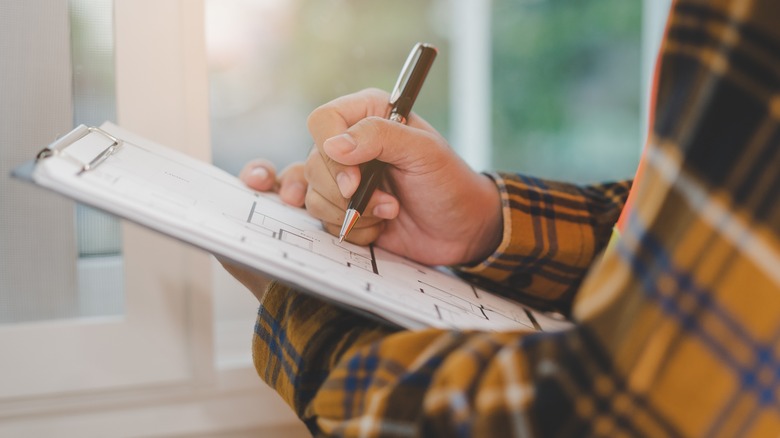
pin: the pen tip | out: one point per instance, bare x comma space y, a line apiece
349, 221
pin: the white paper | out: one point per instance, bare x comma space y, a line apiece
200, 204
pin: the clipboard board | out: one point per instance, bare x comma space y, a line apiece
131, 177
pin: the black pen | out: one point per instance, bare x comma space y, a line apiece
402, 98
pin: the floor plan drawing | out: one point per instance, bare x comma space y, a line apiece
198, 203
310, 240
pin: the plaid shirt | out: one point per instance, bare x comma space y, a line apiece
677, 326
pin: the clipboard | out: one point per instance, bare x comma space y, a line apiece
131, 177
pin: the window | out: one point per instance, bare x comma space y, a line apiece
550, 88
47, 240
98, 235
566, 88
272, 62
86, 274
149, 368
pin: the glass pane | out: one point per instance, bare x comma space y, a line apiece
566, 88
100, 273
58, 260
272, 62
100, 279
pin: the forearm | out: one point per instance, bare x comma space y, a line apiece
299, 339
552, 233
346, 376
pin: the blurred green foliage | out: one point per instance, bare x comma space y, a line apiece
566, 87
566, 79
346, 45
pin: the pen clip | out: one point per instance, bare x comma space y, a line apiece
410, 81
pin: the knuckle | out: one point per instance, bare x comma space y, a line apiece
370, 132
312, 121
374, 93
364, 236
308, 172
313, 164
310, 201
322, 209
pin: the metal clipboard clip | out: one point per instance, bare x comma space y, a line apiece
105, 153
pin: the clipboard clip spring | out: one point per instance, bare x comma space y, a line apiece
105, 153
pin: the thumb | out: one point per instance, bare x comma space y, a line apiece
381, 139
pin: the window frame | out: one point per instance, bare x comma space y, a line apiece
151, 371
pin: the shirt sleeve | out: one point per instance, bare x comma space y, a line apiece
342, 373
299, 339
553, 231
345, 375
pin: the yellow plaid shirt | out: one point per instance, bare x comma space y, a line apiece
677, 326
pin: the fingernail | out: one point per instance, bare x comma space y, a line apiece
342, 144
260, 172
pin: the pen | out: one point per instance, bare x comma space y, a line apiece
402, 98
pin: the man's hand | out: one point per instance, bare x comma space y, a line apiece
434, 209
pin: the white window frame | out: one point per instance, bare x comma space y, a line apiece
470, 84
151, 371
157, 324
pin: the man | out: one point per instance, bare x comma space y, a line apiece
676, 325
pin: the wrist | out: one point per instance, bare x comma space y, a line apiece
491, 232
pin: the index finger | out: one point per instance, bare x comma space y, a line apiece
336, 116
